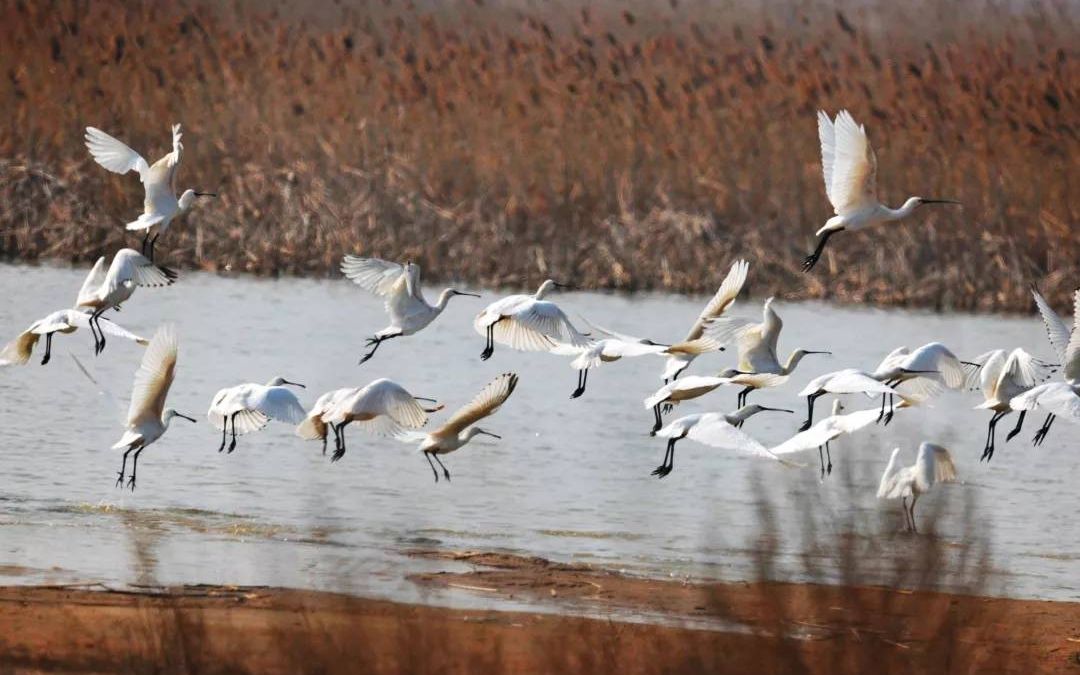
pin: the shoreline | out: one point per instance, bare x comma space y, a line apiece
756, 627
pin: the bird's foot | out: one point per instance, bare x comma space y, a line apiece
365, 357
338, 454
1040, 436
1012, 434
887, 419
809, 262
577, 392
120, 479
486, 354
805, 425
232, 446
446, 475
667, 408
131, 482
371, 342
661, 471
828, 469
45, 359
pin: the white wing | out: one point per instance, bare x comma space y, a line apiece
852, 381
1026, 370
827, 136
373, 275
538, 326
1072, 351
80, 320
934, 465
129, 264
1056, 397
827, 430
485, 403
622, 337
154, 377
96, 277
387, 404
113, 154
724, 297
888, 487
277, 403
854, 166
986, 375
713, 430
1056, 330
939, 362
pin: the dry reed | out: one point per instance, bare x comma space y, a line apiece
639, 148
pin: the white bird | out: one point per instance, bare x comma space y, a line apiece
314, 427
933, 465
460, 428
685, 389
148, 418
399, 285
718, 430
19, 350
725, 296
1002, 377
850, 169
527, 323
103, 289
250, 407
828, 429
846, 381
159, 181
1058, 398
382, 408
758, 366
620, 345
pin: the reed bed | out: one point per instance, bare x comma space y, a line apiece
630, 147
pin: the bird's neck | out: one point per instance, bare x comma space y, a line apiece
904, 211
792, 362
444, 299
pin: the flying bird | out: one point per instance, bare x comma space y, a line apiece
725, 296
110, 288
718, 430
159, 180
250, 407
399, 285
148, 418
825, 431
461, 427
1002, 376
19, 350
685, 389
314, 427
933, 465
846, 381
527, 323
382, 408
850, 169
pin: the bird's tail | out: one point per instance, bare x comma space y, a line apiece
312, 428
144, 222
18, 351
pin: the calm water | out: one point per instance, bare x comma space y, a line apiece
570, 480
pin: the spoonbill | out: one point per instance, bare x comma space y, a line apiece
685, 389
758, 365
850, 169
19, 350
381, 408
148, 418
718, 430
527, 323
250, 407
314, 427
1002, 377
846, 381
725, 296
1058, 398
460, 428
933, 465
103, 288
400, 286
159, 180
828, 429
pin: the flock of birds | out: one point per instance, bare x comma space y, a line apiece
1009, 380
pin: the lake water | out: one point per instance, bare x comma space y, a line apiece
569, 481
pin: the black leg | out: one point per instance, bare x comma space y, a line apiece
809, 412
881, 415
489, 345
134, 466
811, 260
48, 349
582, 378
374, 344
145, 241
1019, 425
889, 415
224, 432
427, 456
232, 445
669, 460
153, 241
659, 421
340, 452
991, 431
1040, 435
123, 467
446, 473
324, 444
914, 498
821, 458
828, 456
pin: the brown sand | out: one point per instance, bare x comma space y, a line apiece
788, 628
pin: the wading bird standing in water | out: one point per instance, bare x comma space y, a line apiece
718, 430
109, 289
850, 169
527, 323
1002, 377
459, 429
382, 408
19, 350
720, 302
159, 181
148, 418
933, 465
400, 286
1057, 398
249, 407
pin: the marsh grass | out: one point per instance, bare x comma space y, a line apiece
626, 148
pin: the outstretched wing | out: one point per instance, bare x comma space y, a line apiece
113, 154
713, 430
724, 297
485, 403
277, 403
373, 275
93, 281
129, 264
154, 377
1056, 330
1072, 350
81, 320
854, 166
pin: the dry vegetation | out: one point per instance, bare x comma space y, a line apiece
623, 148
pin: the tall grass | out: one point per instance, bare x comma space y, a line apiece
621, 148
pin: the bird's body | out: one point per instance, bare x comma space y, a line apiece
110, 288
381, 408
724, 297
690, 387
1057, 398
1003, 376
161, 204
527, 323
846, 381
849, 167
399, 285
314, 427
719, 430
249, 407
460, 428
829, 429
64, 321
148, 418
933, 465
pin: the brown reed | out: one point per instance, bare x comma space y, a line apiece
639, 147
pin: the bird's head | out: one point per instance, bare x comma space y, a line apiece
169, 413
280, 381
549, 284
187, 200
477, 431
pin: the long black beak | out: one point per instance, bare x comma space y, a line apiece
474, 295
811, 351
424, 398
570, 286
189, 419
940, 201
778, 409
295, 384
488, 433
206, 194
